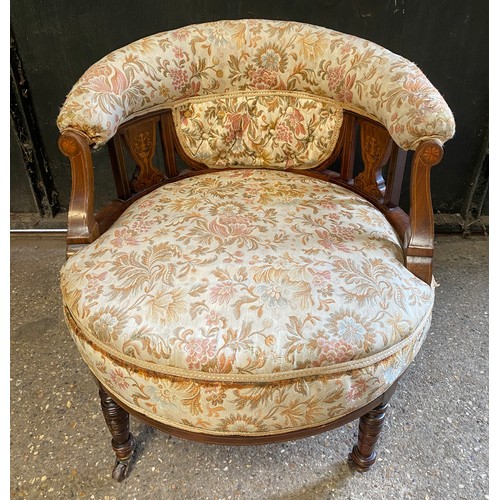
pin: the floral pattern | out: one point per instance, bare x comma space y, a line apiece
246, 301
254, 56
246, 272
271, 130
247, 409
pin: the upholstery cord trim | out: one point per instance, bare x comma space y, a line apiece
250, 93
98, 141
159, 370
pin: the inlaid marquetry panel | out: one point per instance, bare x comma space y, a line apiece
141, 142
376, 144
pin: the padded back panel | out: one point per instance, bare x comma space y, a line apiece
267, 130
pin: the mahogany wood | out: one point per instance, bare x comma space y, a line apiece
82, 225
363, 454
376, 145
395, 174
420, 246
118, 422
348, 141
139, 134
122, 184
362, 457
168, 147
140, 139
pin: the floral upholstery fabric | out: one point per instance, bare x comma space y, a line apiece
267, 131
256, 296
221, 407
257, 55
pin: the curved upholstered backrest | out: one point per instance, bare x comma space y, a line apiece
250, 57
261, 129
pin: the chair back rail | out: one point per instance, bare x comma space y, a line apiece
138, 139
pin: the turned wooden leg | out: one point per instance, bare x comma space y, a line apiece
363, 455
117, 420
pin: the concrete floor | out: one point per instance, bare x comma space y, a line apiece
434, 444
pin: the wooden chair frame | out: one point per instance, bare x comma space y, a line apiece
378, 150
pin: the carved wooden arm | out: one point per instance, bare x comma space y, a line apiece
420, 247
82, 225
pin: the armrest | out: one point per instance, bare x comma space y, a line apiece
420, 245
82, 225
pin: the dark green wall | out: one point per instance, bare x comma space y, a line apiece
447, 39
22, 199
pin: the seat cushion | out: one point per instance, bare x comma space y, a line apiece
256, 296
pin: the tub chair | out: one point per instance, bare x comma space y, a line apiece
255, 279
